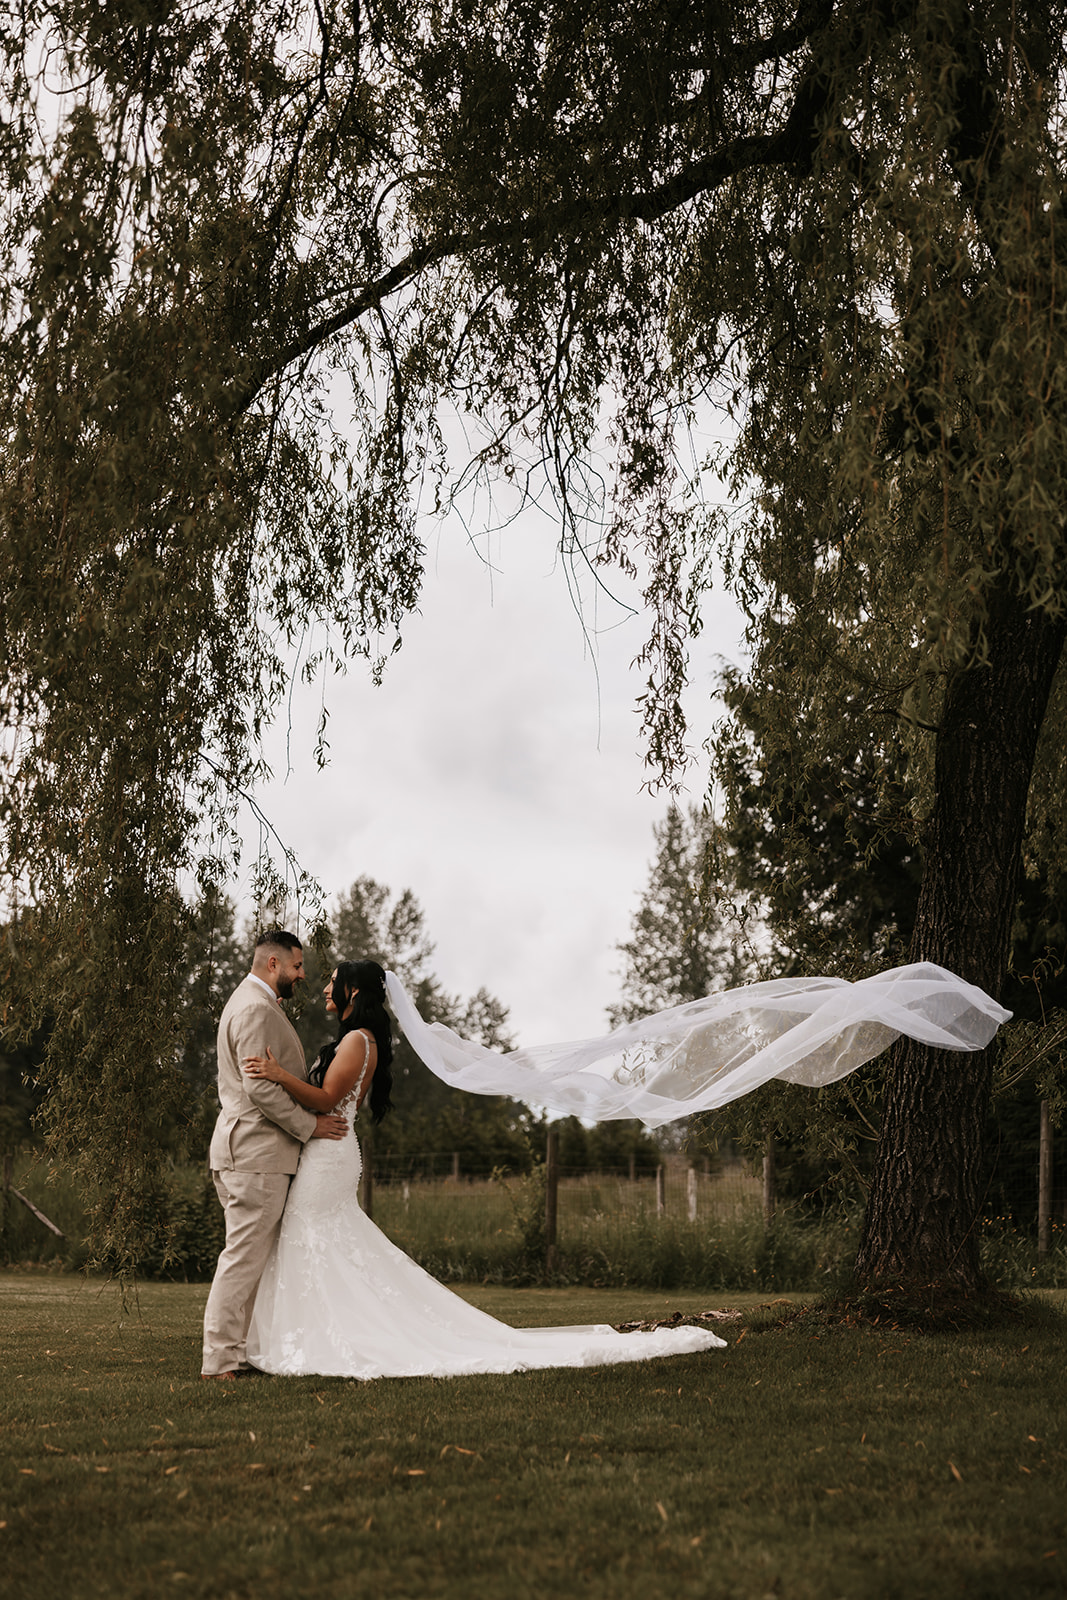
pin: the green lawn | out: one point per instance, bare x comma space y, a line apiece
800, 1462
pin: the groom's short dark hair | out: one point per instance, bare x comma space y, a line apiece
279, 939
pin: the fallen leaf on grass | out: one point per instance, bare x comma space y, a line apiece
256, 1466
1029, 1474
28, 1472
661, 1511
416, 1472
169, 1471
955, 1471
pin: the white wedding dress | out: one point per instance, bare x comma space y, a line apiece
339, 1300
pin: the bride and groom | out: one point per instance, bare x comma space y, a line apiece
307, 1284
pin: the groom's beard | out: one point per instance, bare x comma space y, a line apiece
285, 988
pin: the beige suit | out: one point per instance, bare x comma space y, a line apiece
254, 1152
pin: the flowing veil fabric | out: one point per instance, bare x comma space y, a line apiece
701, 1055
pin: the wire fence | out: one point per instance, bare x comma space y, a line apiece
454, 1205
715, 1224
702, 1222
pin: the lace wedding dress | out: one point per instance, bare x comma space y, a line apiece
338, 1299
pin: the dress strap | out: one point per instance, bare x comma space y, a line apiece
366, 1062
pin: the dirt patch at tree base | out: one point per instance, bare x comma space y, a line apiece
909, 1307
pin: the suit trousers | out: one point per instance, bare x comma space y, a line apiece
253, 1203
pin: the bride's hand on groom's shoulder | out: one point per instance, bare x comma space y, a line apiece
263, 1066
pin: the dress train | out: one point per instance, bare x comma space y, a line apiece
339, 1299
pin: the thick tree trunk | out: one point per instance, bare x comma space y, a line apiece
920, 1228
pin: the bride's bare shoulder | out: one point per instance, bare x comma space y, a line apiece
356, 1044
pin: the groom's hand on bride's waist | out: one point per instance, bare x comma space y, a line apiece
328, 1125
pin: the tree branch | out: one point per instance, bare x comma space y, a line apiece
792, 142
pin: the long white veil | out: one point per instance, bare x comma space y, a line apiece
701, 1055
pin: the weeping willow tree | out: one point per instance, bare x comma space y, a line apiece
252, 258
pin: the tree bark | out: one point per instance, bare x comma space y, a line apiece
925, 1197
1044, 1181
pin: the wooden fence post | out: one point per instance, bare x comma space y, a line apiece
551, 1195
1044, 1183
770, 1194
691, 1193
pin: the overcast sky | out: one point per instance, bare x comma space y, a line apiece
497, 773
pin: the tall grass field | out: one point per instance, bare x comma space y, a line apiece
804, 1461
711, 1234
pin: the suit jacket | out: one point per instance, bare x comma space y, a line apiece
260, 1127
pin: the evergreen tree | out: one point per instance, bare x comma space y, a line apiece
370, 922
682, 945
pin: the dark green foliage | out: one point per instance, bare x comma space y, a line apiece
823, 843
369, 922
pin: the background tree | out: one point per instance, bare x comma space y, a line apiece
371, 922
218, 958
832, 852
682, 943
839, 219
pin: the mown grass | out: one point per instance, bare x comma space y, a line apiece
805, 1462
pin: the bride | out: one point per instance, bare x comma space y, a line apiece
338, 1299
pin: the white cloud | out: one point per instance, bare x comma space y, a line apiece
496, 773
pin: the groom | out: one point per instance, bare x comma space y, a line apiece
256, 1144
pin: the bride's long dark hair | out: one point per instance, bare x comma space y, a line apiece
363, 984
